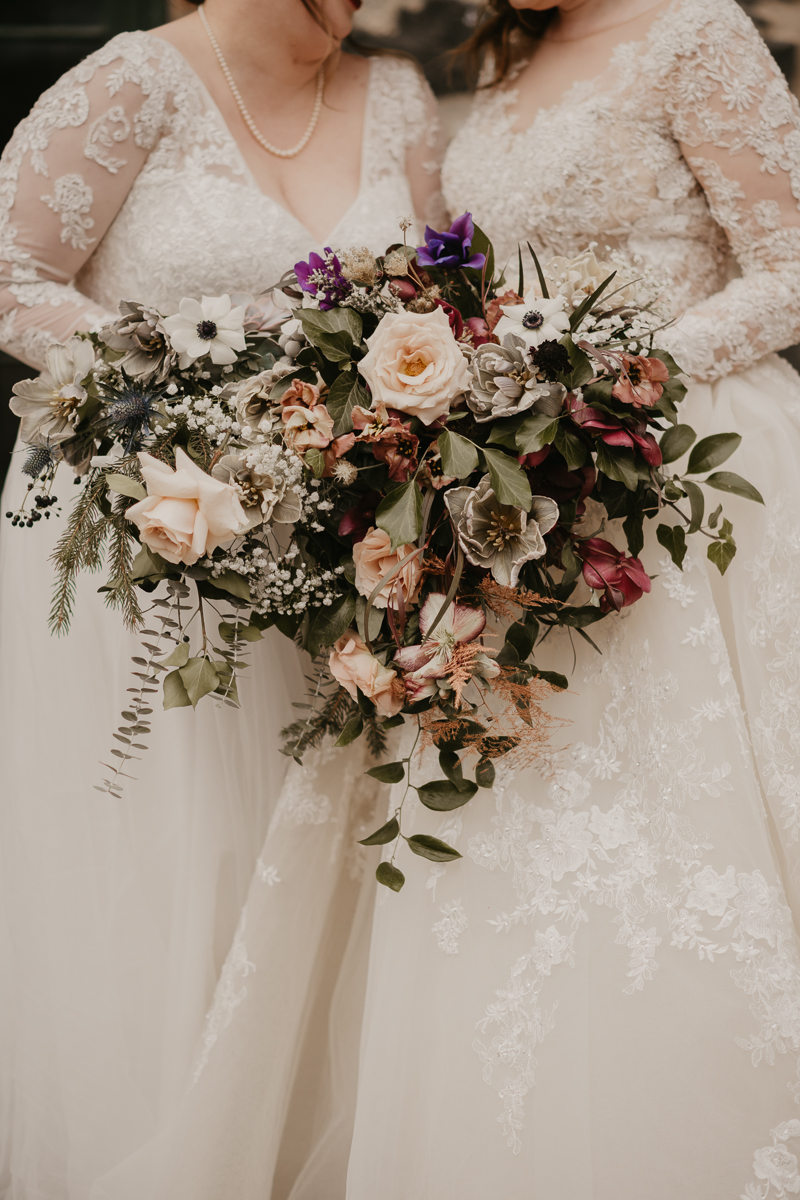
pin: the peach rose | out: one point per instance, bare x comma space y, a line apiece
415, 364
374, 558
306, 427
352, 665
186, 513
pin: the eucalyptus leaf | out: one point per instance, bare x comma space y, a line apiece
400, 514
432, 848
442, 796
351, 731
711, 451
381, 837
175, 694
509, 481
393, 772
126, 486
675, 442
199, 678
459, 455
390, 876
728, 481
485, 773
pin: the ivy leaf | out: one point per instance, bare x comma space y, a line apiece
179, 656
715, 516
432, 848
347, 392
235, 585
335, 332
199, 678
535, 433
443, 796
711, 451
675, 442
728, 481
571, 446
459, 455
722, 551
351, 731
175, 694
330, 623
620, 465
390, 876
126, 486
392, 772
697, 501
509, 481
148, 565
485, 773
673, 538
400, 514
381, 837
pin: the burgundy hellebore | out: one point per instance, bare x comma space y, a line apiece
614, 432
622, 579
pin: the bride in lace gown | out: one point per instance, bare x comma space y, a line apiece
136, 177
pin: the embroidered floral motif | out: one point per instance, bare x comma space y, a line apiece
451, 926
229, 994
72, 198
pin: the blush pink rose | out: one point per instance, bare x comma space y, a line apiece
306, 427
352, 665
415, 364
374, 558
186, 514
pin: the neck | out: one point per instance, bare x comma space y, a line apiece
587, 17
265, 49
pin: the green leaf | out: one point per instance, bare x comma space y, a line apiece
485, 773
675, 442
330, 622
455, 739
722, 552
521, 638
392, 772
347, 392
633, 528
589, 303
459, 455
400, 514
175, 694
376, 616
673, 538
393, 722
179, 656
199, 678
126, 486
711, 451
390, 876
381, 837
539, 272
535, 433
482, 245
451, 765
715, 516
697, 501
335, 332
148, 565
305, 374
582, 368
509, 481
315, 461
351, 731
571, 446
442, 796
620, 465
432, 848
235, 585
554, 678
728, 481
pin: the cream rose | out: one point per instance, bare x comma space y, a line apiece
415, 364
186, 513
306, 427
352, 665
374, 558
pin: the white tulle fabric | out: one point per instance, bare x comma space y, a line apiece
117, 917
601, 999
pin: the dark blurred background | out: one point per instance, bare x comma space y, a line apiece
41, 40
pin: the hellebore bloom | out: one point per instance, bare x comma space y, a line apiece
452, 249
614, 432
439, 656
323, 278
499, 537
640, 380
391, 440
358, 520
622, 579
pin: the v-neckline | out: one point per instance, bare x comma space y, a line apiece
247, 172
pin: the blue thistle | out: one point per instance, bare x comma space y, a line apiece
128, 411
41, 460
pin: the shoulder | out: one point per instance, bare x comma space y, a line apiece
399, 84
692, 29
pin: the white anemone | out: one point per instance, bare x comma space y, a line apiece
535, 320
209, 326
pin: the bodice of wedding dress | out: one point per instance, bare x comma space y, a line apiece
683, 155
125, 183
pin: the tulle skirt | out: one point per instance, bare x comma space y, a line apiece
601, 998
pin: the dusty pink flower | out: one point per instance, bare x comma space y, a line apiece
306, 427
622, 579
374, 558
391, 440
186, 513
438, 655
615, 432
338, 447
299, 392
640, 380
355, 668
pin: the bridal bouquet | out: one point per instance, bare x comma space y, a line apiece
379, 459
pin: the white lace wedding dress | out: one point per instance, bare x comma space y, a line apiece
115, 917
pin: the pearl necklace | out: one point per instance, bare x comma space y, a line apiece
248, 120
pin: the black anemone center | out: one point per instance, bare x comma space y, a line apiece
533, 320
207, 330
634, 374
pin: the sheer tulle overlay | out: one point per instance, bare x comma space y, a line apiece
117, 917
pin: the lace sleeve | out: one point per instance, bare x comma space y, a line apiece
63, 178
424, 144
738, 127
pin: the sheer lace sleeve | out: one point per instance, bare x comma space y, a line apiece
63, 178
739, 130
409, 120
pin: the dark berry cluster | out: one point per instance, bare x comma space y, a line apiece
551, 359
